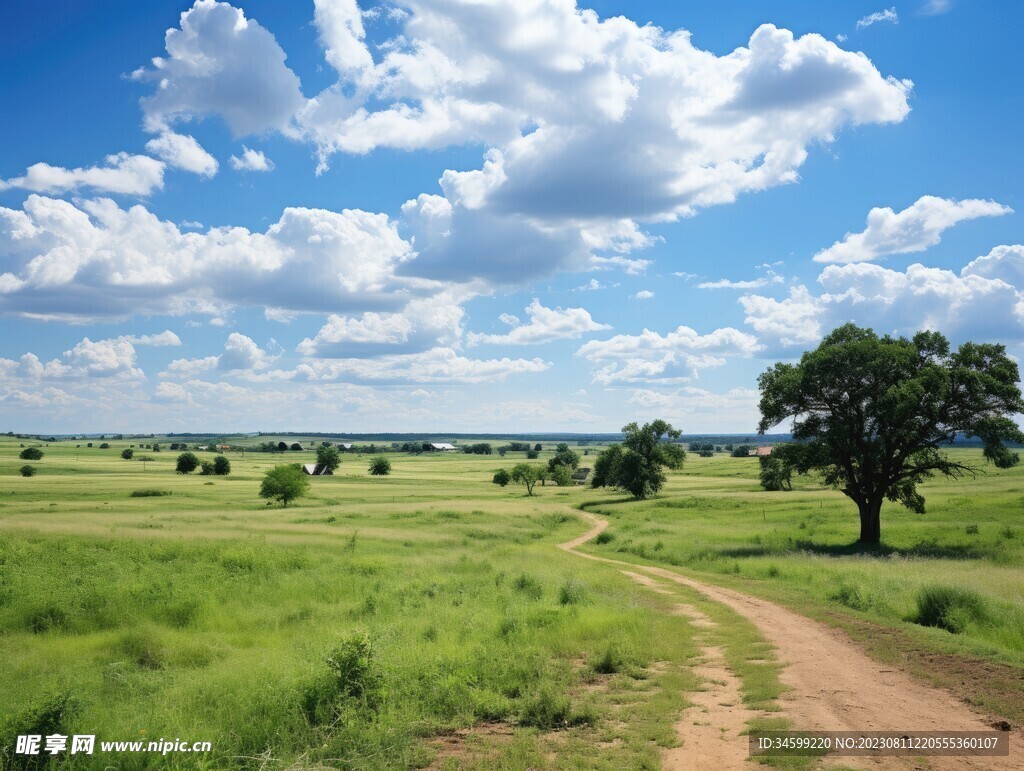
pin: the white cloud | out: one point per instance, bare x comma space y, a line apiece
546, 87
241, 355
123, 174
171, 392
935, 7
183, 152
979, 303
220, 62
251, 160
643, 294
674, 357
94, 260
163, 339
889, 15
109, 358
545, 325
438, 365
424, 323
914, 229
590, 286
770, 277
697, 409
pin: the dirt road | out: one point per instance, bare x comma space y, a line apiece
833, 684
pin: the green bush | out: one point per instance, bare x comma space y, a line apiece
529, 586
149, 493
571, 592
608, 663
27, 470
850, 596
51, 715
354, 680
221, 466
604, 537
31, 453
949, 607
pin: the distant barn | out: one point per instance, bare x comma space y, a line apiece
579, 476
443, 447
317, 470
344, 446
762, 451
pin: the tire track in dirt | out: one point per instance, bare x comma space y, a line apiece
834, 685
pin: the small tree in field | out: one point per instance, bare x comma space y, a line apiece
27, 470
636, 465
501, 477
561, 476
187, 463
221, 466
127, 453
328, 455
564, 457
527, 474
777, 469
31, 453
871, 413
380, 466
206, 468
284, 483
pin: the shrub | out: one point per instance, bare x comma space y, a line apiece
529, 586
187, 463
51, 715
149, 493
127, 453
105, 446
608, 663
851, 596
571, 592
380, 466
604, 537
949, 607
501, 477
27, 470
221, 466
205, 468
354, 680
31, 453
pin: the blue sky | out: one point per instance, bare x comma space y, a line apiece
431, 215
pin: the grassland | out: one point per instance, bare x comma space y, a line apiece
205, 614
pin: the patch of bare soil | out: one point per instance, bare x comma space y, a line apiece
835, 686
471, 747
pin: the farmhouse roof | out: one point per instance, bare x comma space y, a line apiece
345, 446
442, 446
766, 450
317, 469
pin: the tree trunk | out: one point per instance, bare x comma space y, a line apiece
870, 522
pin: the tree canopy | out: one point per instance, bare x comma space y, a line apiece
328, 455
380, 466
564, 457
636, 465
527, 474
284, 483
187, 463
870, 413
31, 453
221, 466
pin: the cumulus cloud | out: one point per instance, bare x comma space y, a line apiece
978, 303
108, 358
544, 326
93, 259
220, 62
687, 407
643, 294
889, 15
251, 160
183, 152
674, 357
914, 229
163, 339
241, 354
546, 87
122, 173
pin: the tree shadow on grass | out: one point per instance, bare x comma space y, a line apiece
921, 550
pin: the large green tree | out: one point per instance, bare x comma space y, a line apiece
637, 465
328, 455
871, 413
284, 483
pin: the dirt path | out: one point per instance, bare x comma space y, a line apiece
833, 684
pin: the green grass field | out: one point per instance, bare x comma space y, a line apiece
470, 640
